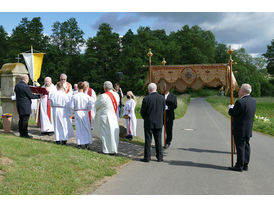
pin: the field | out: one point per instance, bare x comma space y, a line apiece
33, 167
182, 103
264, 120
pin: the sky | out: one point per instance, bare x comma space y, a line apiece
250, 30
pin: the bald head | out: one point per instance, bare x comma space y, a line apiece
152, 87
25, 78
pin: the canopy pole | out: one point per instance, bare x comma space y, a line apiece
230, 51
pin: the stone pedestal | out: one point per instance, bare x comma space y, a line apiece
10, 75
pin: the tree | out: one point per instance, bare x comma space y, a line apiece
3, 46
221, 55
104, 50
27, 33
68, 37
269, 55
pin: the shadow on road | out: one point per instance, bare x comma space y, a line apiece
195, 164
203, 150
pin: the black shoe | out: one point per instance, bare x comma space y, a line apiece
64, 142
129, 137
238, 169
144, 160
58, 142
245, 167
160, 160
82, 146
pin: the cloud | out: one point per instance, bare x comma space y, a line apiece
249, 29
118, 21
252, 30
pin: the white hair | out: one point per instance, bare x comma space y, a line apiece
108, 85
64, 75
86, 82
152, 87
246, 88
48, 78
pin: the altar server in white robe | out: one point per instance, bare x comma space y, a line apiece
106, 121
129, 115
81, 104
46, 119
59, 101
89, 91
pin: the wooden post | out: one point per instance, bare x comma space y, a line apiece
164, 63
230, 51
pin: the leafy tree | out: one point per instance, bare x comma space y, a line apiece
269, 55
221, 55
3, 46
104, 49
68, 37
27, 33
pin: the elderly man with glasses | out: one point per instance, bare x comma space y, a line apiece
67, 86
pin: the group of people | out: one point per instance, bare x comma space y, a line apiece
61, 102
102, 115
243, 113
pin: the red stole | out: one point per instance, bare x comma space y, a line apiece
69, 86
90, 94
113, 100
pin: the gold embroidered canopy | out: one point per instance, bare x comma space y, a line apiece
193, 76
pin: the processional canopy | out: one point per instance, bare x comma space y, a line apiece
194, 76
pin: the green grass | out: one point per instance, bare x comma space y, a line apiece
264, 108
135, 140
182, 104
42, 168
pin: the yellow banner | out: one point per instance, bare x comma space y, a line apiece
37, 65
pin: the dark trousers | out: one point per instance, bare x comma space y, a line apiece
23, 124
169, 126
243, 151
157, 134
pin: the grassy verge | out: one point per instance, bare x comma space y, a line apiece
42, 168
265, 109
182, 104
136, 140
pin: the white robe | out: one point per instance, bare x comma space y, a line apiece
59, 101
131, 122
106, 123
46, 122
81, 104
93, 110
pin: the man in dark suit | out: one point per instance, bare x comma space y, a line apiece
171, 105
23, 104
152, 110
243, 113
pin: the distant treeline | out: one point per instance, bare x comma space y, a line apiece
99, 58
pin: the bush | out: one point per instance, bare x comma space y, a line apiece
267, 89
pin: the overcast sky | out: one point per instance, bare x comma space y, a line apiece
250, 30
253, 31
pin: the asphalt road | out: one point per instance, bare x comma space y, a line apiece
197, 161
